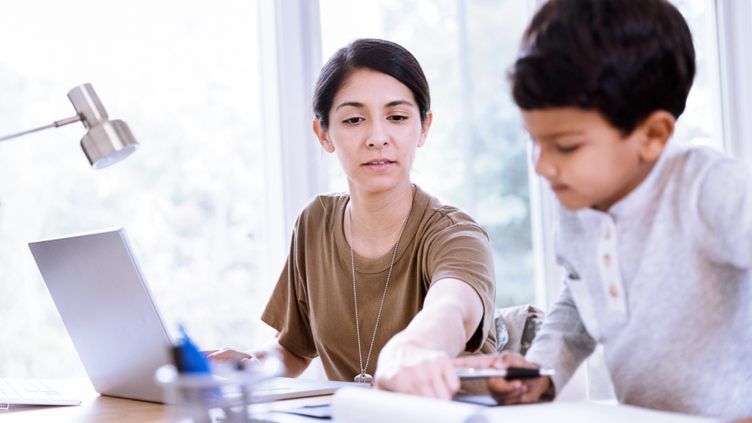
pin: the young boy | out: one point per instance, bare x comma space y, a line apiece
655, 236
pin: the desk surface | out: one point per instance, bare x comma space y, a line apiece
96, 408
99, 409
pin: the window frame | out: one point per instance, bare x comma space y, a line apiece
735, 57
290, 49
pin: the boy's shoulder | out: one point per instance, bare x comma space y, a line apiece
692, 157
700, 168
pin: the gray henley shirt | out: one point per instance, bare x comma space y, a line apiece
663, 281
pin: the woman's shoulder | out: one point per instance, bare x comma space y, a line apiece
438, 216
323, 208
447, 234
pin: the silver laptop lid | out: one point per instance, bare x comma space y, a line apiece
108, 311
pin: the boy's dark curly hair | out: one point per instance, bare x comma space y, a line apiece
623, 58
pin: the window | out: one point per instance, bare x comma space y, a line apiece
701, 121
475, 156
185, 78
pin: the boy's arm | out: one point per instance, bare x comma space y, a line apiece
562, 343
505, 392
724, 209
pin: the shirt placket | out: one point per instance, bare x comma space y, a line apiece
610, 275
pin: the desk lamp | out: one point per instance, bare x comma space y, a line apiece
107, 141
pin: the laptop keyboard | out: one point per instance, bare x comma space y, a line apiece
31, 392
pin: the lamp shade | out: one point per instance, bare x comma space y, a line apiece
108, 141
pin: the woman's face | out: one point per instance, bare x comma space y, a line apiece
375, 129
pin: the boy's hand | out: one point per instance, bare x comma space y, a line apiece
504, 391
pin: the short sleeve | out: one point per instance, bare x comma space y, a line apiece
287, 310
463, 251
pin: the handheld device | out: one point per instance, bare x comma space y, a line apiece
508, 374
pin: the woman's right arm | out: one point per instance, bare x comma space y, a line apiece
294, 365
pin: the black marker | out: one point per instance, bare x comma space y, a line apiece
508, 374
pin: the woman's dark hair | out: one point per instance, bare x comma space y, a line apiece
623, 58
378, 55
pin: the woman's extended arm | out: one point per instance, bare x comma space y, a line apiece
294, 365
418, 359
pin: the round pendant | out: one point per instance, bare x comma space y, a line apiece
364, 378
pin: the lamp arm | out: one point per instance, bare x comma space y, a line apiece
57, 124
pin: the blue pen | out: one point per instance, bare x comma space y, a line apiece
191, 359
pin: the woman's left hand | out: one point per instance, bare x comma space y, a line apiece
410, 368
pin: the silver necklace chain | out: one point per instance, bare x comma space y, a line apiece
355, 293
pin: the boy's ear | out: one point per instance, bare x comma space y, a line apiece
656, 131
322, 135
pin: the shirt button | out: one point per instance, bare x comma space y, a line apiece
607, 260
608, 233
614, 292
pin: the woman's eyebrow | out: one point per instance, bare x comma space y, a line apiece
361, 105
351, 104
399, 103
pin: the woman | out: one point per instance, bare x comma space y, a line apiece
386, 271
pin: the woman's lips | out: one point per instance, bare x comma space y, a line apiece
378, 164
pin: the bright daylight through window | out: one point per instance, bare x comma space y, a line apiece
190, 198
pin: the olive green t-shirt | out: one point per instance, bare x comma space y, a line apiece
313, 305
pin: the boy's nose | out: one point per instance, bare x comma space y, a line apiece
542, 163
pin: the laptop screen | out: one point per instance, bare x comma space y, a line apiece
108, 311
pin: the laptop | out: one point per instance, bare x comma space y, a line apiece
105, 303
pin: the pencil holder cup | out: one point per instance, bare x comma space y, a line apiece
208, 397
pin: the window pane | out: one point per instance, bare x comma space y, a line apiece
475, 154
184, 76
701, 121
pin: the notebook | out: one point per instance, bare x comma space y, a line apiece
109, 313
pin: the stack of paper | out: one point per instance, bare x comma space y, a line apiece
352, 405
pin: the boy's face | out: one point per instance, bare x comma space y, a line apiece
588, 162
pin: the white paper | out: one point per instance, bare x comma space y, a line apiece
581, 412
355, 405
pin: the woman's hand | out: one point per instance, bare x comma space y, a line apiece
409, 368
523, 391
417, 360
230, 356
291, 364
